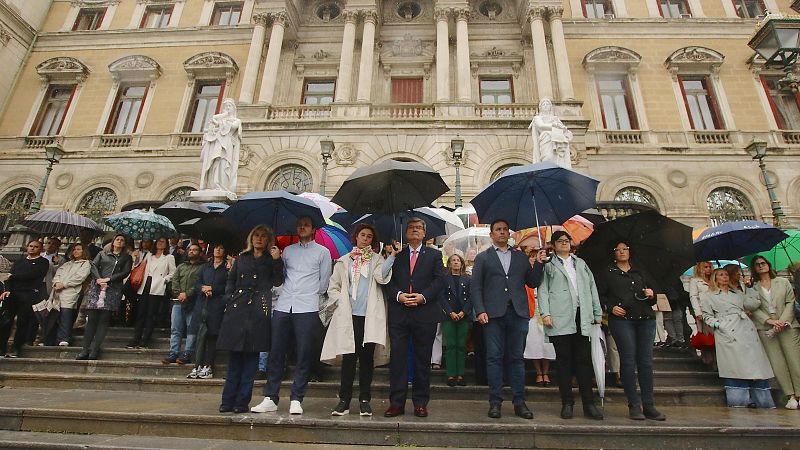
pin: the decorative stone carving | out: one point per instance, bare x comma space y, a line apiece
64, 180
144, 179
62, 68
261, 19
5, 36
325, 11
408, 46
345, 155
551, 138
462, 14
441, 14
93, 3
245, 156
401, 11
320, 54
613, 55
695, 59
537, 13
408, 10
211, 65
138, 67
490, 10
677, 178
555, 12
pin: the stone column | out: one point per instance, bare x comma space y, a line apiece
367, 56
565, 90
346, 62
541, 62
279, 22
462, 55
253, 59
442, 56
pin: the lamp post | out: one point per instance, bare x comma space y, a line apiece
796, 5
53, 154
759, 150
457, 152
777, 40
326, 150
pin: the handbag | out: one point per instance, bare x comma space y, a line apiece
702, 341
137, 275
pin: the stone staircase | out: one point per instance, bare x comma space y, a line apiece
131, 393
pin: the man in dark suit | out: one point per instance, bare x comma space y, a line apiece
498, 293
418, 276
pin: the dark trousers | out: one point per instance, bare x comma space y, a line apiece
365, 356
97, 324
206, 351
65, 322
505, 345
634, 340
304, 327
17, 305
479, 345
574, 355
422, 336
238, 388
146, 314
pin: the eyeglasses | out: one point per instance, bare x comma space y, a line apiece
762, 263
623, 249
562, 241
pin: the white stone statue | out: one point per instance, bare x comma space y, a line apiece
220, 154
551, 138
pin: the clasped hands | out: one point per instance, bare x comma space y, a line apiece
548, 321
411, 300
777, 324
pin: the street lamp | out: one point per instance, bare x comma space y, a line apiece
777, 40
326, 150
759, 151
53, 154
457, 152
796, 5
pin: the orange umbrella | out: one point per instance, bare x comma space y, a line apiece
578, 228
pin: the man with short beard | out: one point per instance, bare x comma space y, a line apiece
183, 297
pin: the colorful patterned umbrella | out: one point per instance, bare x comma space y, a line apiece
785, 253
331, 236
140, 224
60, 223
579, 229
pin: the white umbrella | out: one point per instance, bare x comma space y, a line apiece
472, 238
326, 206
597, 339
452, 222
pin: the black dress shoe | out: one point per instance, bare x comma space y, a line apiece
394, 411
421, 411
225, 409
566, 410
635, 412
494, 411
591, 411
82, 356
240, 409
652, 413
522, 410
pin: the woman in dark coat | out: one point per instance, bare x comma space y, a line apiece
458, 308
210, 287
245, 329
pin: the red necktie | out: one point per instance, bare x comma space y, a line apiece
413, 263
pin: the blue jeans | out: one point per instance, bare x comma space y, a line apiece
262, 361
634, 340
238, 388
305, 327
66, 320
181, 320
505, 345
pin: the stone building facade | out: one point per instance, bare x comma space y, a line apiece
662, 96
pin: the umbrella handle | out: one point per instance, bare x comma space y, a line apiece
536, 213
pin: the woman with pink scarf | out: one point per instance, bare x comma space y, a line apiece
358, 331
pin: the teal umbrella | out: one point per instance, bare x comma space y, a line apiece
785, 253
140, 224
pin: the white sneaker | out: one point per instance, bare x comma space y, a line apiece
792, 403
193, 374
63, 344
265, 406
295, 407
205, 373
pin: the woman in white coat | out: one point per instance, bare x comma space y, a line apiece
358, 328
742, 362
67, 287
159, 271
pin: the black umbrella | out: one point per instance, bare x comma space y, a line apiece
277, 209
390, 187
60, 223
216, 229
393, 226
181, 211
660, 245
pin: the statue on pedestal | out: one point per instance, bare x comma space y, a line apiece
220, 153
551, 138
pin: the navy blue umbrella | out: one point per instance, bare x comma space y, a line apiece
541, 193
345, 218
393, 226
278, 210
733, 240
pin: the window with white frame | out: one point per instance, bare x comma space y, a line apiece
616, 103
749, 9
89, 19
318, 92
598, 9
53, 110
127, 109
206, 101
784, 103
497, 90
227, 13
157, 16
674, 9
700, 102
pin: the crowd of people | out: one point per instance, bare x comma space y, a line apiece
385, 304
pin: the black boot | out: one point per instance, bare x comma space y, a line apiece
652, 413
635, 412
566, 410
591, 411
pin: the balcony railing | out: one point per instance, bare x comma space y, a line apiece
190, 140
402, 111
712, 137
506, 111
308, 112
623, 137
791, 137
115, 141
39, 141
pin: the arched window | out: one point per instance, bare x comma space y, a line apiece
728, 205
292, 178
180, 194
97, 204
635, 194
500, 170
14, 207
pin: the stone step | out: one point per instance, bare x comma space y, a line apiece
126, 332
154, 368
122, 341
676, 395
666, 363
451, 423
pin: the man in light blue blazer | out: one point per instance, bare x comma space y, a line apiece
569, 306
500, 302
